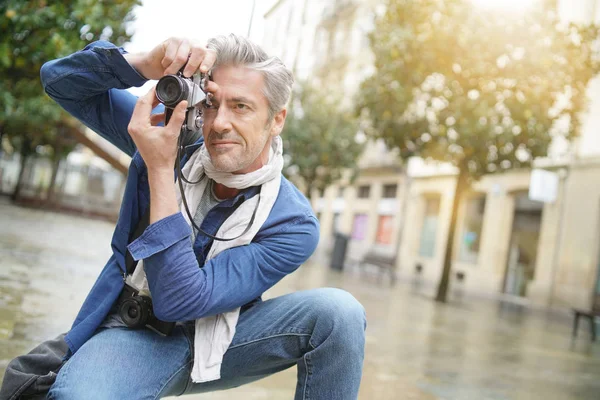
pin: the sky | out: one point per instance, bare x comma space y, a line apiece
193, 19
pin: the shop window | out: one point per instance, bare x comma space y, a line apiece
384, 229
359, 227
470, 238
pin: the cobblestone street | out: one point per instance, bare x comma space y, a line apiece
470, 348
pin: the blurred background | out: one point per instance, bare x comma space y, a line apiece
450, 149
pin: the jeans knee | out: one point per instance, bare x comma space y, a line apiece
69, 385
341, 312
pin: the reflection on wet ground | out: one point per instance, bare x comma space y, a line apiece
416, 348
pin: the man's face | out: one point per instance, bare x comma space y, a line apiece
237, 132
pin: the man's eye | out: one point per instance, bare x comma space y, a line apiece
241, 106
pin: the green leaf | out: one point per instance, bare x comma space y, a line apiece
463, 84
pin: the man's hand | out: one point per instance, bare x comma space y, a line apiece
169, 56
156, 144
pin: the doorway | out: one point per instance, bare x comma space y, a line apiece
596, 298
524, 239
596, 293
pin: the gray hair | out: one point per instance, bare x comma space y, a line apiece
238, 50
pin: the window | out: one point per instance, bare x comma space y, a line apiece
470, 238
389, 191
384, 229
364, 191
429, 230
359, 227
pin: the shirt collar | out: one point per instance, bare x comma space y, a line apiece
241, 197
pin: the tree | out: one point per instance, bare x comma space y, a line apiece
319, 140
483, 90
40, 32
64, 140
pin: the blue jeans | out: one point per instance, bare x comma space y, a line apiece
321, 331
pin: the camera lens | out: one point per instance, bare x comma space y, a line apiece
171, 90
134, 312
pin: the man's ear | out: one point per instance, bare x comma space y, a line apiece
278, 121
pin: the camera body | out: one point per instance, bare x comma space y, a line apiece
136, 312
175, 88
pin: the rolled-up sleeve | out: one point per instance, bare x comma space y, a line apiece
159, 236
90, 83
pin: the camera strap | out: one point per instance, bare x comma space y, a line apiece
143, 223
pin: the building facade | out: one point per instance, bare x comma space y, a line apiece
543, 253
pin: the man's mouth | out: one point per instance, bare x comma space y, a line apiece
222, 142
223, 145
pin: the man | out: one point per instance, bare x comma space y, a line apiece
225, 335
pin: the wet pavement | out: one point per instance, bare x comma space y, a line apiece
470, 348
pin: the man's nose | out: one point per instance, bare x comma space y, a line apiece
222, 122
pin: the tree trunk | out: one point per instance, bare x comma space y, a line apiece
1, 155
51, 196
461, 185
406, 182
17, 191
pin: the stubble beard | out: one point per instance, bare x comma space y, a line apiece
238, 158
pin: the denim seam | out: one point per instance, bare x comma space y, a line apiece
171, 378
306, 359
189, 336
189, 382
268, 337
291, 329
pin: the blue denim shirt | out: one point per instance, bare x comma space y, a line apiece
90, 85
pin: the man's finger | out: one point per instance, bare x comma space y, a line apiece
196, 56
155, 100
210, 56
143, 109
181, 58
170, 52
177, 118
156, 119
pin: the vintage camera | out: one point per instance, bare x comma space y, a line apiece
173, 89
136, 312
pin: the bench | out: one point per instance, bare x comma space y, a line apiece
589, 315
385, 263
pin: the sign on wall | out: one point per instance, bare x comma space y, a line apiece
543, 186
